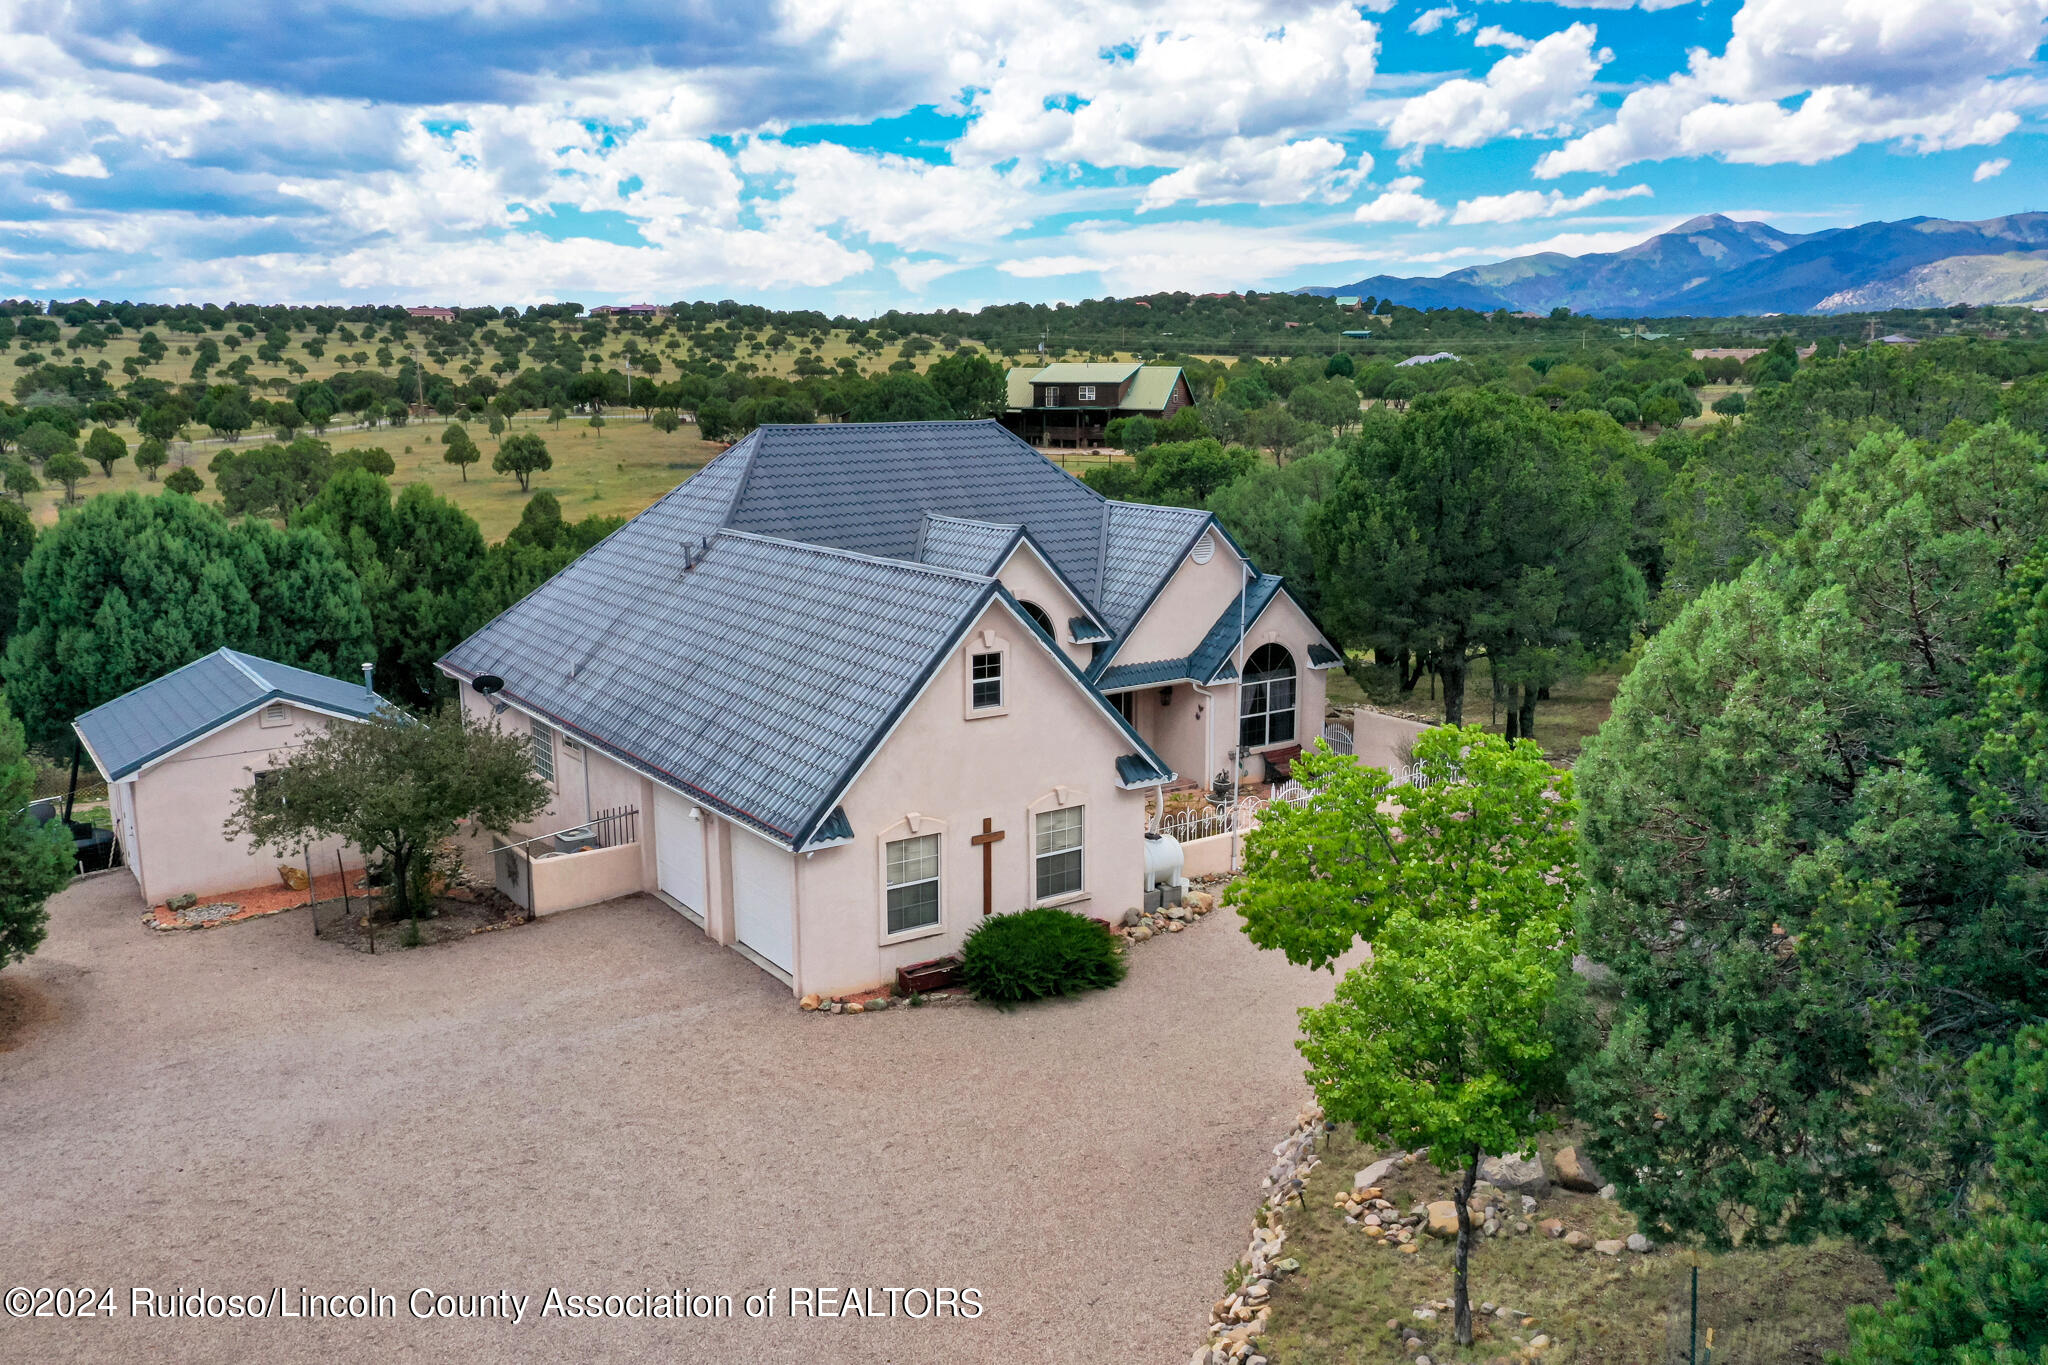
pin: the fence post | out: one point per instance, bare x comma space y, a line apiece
1692, 1340
312, 900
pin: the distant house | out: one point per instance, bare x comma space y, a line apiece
1424, 359
175, 751
629, 310
1071, 404
437, 314
1726, 352
1897, 340
1347, 301
1526, 315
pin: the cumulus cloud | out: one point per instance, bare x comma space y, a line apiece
1400, 203
1535, 93
1927, 75
1196, 256
1430, 20
1523, 205
1246, 171
1493, 35
1986, 170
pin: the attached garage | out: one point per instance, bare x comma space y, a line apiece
764, 899
679, 851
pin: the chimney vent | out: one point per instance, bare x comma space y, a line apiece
369, 678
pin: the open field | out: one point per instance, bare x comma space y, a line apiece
1576, 708
1785, 1306
614, 470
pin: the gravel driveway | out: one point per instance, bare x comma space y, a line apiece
605, 1102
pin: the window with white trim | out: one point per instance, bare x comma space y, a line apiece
1052, 395
1038, 614
1056, 851
986, 680
543, 741
910, 867
1086, 393
1122, 702
1266, 700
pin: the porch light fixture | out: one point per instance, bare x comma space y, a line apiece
1166, 696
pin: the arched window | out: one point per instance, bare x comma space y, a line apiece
1266, 699
1037, 613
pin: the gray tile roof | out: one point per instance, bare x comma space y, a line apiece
969, 546
1142, 545
754, 680
139, 727
867, 486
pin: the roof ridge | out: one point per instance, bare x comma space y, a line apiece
855, 555
234, 657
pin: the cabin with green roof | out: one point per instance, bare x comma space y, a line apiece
1069, 404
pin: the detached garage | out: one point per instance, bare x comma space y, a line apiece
175, 751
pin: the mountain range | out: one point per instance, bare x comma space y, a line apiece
1714, 266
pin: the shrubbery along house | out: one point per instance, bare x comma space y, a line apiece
867, 683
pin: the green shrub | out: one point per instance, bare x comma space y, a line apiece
1033, 954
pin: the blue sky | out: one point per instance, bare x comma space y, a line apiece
855, 155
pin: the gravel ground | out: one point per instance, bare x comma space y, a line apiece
605, 1101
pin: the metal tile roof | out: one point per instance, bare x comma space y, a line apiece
1136, 770
1152, 388
1081, 372
1085, 631
1142, 546
1321, 655
1216, 647
867, 486
969, 546
755, 680
157, 718
1157, 673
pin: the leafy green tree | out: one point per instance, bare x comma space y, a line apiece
229, 418
1340, 364
127, 588
20, 480
67, 468
1819, 867
1731, 405
666, 421
1982, 1299
555, 415
103, 448
397, 785
459, 450
1481, 522
42, 442
1447, 1036
374, 459
164, 423
17, 538
1267, 509
522, 456
899, 398
416, 558
494, 422
151, 454
35, 860
273, 480
972, 385
184, 479
1182, 473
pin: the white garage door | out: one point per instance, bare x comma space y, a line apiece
678, 850
763, 892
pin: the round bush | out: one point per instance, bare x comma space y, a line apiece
1033, 954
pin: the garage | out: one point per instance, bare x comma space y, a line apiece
679, 850
763, 899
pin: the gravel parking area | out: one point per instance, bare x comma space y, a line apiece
604, 1102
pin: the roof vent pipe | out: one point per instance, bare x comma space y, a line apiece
369, 678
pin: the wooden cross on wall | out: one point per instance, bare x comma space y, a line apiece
988, 839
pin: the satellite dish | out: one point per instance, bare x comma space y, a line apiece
487, 684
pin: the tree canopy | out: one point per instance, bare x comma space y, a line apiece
35, 860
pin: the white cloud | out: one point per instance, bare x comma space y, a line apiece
1430, 20
909, 203
1988, 169
1493, 35
1196, 256
1523, 205
1528, 94
1243, 171
1399, 203
1928, 75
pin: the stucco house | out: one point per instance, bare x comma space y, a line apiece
175, 751
867, 683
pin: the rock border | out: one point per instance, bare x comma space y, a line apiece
1239, 1318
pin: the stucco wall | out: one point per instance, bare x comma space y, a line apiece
953, 773
1186, 607
1383, 741
1028, 580
174, 811
550, 884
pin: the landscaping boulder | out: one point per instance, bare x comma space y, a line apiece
1551, 1227
1375, 1175
1638, 1243
1609, 1246
1443, 1219
1576, 1171
1576, 1240
1515, 1174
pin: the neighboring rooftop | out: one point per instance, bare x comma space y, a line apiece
139, 727
1430, 359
